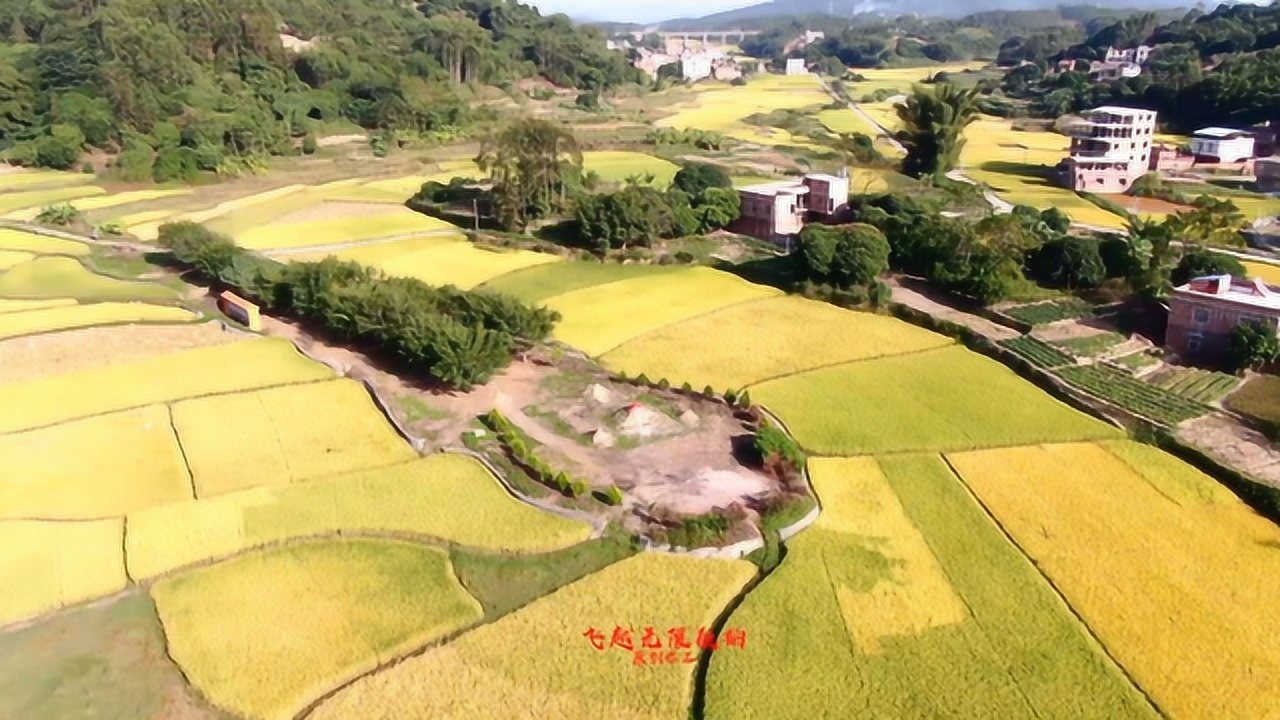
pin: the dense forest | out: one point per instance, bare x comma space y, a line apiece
1221, 67
208, 85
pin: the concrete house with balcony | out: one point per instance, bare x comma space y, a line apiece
1203, 313
1221, 145
777, 212
1137, 55
1110, 148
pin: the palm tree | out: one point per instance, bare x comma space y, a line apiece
933, 121
1153, 252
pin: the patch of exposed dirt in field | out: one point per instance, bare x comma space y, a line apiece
331, 140
36, 356
1234, 444
1072, 328
672, 454
331, 210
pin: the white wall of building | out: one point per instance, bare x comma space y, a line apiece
795, 66
1225, 150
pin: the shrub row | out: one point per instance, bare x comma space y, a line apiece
517, 445
734, 398
1037, 352
775, 445
458, 337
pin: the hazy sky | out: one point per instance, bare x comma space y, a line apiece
638, 10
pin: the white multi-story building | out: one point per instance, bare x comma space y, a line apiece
796, 66
1221, 145
696, 66
1137, 56
1110, 149
1112, 70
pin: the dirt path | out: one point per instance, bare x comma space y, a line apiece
1233, 444
915, 300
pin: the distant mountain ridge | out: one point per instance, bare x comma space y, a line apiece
754, 14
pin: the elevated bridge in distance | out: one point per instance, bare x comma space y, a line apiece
721, 37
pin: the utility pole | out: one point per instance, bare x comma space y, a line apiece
475, 214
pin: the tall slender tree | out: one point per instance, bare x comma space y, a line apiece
934, 119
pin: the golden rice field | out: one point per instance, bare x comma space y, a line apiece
22, 306
619, 165
284, 434
946, 399
884, 113
593, 318
990, 139
378, 252
39, 244
448, 497
538, 283
12, 179
50, 319
59, 563
57, 277
453, 262
903, 600
536, 662
141, 217
722, 109
266, 634
9, 258
98, 202
787, 335
1269, 273
901, 78
1181, 593
844, 122
150, 230
1040, 193
11, 201
246, 365
395, 221
98, 467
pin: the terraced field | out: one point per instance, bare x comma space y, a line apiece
393, 221
723, 109
538, 660
936, 400
590, 315
788, 335
64, 317
447, 497
619, 165
904, 601
55, 276
60, 562
376, 600
284, 434
1168, 585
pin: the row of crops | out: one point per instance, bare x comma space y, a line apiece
1037, 352
1203, 386
1127, 392
1048, 312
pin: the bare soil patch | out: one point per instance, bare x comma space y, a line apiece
673, 454
1234, 444
37, 356
1151, 205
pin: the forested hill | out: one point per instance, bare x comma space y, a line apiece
207, 85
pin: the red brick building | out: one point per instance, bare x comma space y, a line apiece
1203, 313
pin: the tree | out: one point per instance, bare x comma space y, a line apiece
529, 162
634, 215
717, 207
1252, 345
1152, 255
1211, 220
60, 148
933, 122
694, 178
1198, 263
1068, 262
845, 255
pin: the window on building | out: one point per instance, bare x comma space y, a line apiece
1200, 315
1194, 342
